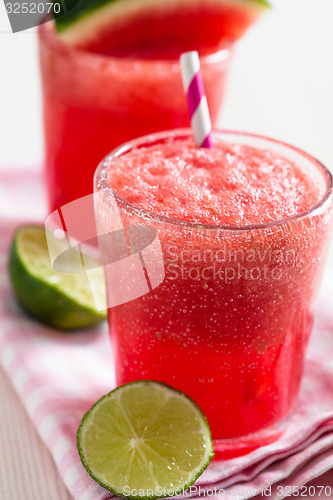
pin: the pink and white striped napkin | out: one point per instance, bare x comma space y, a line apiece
58, 376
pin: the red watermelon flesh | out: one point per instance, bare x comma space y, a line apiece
164, 33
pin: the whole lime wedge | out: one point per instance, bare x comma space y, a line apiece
145, 440
60, 300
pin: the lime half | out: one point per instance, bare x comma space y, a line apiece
145, 440
57, 299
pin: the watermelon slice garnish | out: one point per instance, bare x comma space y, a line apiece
161, 28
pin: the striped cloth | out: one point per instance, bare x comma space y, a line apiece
59, 376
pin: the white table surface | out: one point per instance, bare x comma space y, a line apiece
281, 85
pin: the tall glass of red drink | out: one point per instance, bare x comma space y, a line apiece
244, 229
94, 102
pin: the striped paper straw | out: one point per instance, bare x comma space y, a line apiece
196, 99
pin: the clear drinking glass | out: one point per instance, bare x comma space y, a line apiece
231, 320
93, 103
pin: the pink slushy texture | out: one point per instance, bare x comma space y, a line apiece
230, 323
229, 184
93, 103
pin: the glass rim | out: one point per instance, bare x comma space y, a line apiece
182, 133
215, 56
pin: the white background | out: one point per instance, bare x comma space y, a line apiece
281, 85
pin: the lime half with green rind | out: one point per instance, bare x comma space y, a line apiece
60, 300
145, 440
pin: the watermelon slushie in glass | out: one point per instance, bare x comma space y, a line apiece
244, 229
110, 73
94, 101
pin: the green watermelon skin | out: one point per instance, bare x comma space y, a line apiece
159, 29
73, 10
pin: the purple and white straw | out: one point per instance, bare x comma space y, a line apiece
196, 99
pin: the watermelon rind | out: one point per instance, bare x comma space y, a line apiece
80, 19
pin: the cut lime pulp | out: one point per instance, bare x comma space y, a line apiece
57, 299
145, 440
